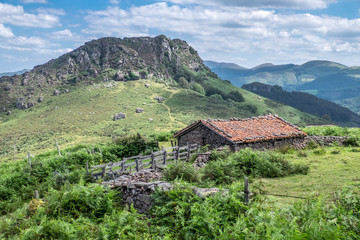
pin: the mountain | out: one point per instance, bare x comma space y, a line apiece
13, 73
307, 103
157, 83
325, 79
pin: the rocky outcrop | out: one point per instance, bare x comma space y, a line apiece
101, 60
119, 116
139, 110
159, 99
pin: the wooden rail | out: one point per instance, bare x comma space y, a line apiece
156, 160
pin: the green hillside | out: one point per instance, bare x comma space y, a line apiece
73, 99
307, 103
85, 115
351, 103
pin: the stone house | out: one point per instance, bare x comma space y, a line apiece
263, 132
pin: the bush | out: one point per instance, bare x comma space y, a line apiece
184, 171
320, 151
247, 162
93, 201
197, 88
352, 141
183, 83
217, 155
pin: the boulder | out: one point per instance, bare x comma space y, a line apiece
159, 99
139, 110
119, 116
8, 113
41, 99
66, 91
56, 92
119, 76
147, 85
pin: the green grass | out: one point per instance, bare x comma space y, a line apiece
334, 169
85, 115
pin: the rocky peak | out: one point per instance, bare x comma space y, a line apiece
100, 60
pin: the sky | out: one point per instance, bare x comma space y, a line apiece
245, 32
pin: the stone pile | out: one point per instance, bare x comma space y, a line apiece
201, 160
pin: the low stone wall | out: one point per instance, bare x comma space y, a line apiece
298, 143
138, 193
326, 140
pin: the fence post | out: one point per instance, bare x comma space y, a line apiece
122, 166
103, 172
87, 168
172, 144
153, 163
29, 159
164, 159
246, 190
188, 153
36, 194
177, 153
137, 164
57, 146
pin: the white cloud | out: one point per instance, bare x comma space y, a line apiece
62, 34
227, 31
34, 1
5, 32
288, 4
54, 11
15, 15
115, 2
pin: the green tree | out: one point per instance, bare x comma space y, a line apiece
183, 82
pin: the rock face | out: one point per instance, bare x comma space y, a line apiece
139, 110
105, 58
159, 99
119, 116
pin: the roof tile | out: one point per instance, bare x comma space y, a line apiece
250, 129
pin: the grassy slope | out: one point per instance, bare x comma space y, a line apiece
337, 168
85, 115
351, 103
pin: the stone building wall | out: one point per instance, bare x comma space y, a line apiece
272, 144
203, 136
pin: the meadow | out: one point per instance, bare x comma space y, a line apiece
72, 207
85, 115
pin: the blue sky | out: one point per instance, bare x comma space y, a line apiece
241, 31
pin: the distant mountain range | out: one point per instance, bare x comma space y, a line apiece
328, 80
13, 73
307, 103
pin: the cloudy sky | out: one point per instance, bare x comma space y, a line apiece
246, 32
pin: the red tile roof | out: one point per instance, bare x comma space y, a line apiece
250, 129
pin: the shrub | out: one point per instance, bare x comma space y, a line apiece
312, 145
183, 82
184, 171
197, 88
220, 154
247, 162
352, 141
93, 201
320, 151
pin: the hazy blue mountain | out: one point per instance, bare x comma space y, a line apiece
325, 79
13, 73
307, 103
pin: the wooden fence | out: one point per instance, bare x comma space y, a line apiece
156, 160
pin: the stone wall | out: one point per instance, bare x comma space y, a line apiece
326, 140
273, 144
203, 136
138, 193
